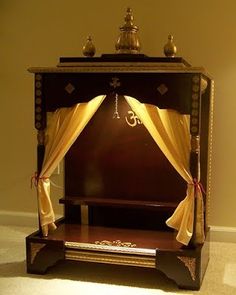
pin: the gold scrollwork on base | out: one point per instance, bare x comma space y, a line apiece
190, 263
116, 243
35, 248
108, 258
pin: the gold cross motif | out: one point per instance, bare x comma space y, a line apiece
115, 82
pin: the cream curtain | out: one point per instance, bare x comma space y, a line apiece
170, 130
66, 125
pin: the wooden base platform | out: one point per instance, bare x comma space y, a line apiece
133, 247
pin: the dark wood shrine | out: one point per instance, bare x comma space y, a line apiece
119, 187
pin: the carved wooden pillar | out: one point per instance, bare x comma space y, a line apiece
195, 121
40, 125
40, 150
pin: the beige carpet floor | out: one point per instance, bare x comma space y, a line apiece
71, 278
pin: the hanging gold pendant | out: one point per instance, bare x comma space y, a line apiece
116, 113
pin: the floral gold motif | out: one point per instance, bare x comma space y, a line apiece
196, 88
38, 100
190, 263
196, 79
38, 77
195, 96
116, 243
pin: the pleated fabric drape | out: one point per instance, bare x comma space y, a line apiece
170, 130
65, 126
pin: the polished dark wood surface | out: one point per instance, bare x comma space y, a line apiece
143, 204
117, 170
90, 234
142, 86
125, 58
113, 160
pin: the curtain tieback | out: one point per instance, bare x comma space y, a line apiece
198, 185
35, 179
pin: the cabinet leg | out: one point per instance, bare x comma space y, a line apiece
43, 254
185, 267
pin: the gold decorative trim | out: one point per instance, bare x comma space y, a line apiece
38, 101
195, 143
131, 260
41, 137
190, 263
118, 67
194, 129
116, 243
196, 79
112, 249
196, 93
210, 141
203, 85
38, 77
34, 249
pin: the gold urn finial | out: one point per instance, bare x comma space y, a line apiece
89, 48
128, 41
170, 48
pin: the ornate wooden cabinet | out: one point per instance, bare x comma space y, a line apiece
119, 186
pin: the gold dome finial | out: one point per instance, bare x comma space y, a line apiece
89, 48
128, 41
170, 48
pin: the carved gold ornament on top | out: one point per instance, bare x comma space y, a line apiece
170, 49
89, 49
128, 41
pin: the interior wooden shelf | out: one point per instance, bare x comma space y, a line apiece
86, 234
155, 205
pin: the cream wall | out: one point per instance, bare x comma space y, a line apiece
37, 33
